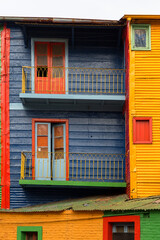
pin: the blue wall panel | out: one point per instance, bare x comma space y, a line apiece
89, 132
92, 49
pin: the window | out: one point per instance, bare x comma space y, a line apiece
121, 227
141, 37
49, 59
142, 130
29, 233
123, 231
50, 149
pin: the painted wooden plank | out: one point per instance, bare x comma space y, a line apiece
81, 56
1, 28
110, 125
73, 183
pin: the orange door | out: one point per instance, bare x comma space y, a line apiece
42, 69
50, 67
58, 68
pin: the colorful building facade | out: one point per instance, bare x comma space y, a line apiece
79, 128
144, 106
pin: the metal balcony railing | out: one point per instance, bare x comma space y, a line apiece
73, 80
81, 166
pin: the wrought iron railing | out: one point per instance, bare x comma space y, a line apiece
81, 166
73, 80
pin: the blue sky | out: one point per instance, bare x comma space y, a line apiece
94, 9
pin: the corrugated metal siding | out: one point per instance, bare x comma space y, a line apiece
88, 132
146, 94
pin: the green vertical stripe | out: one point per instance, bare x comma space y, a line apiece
1, 28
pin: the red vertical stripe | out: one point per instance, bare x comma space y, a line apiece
5, 142
127, 159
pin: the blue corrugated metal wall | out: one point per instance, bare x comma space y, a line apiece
88, 131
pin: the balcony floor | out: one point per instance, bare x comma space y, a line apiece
72, 100
31, 183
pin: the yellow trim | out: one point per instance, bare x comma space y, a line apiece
86, 80
152, 17
133, 191
85, 166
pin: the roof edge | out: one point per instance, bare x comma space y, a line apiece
141, 17
50, 20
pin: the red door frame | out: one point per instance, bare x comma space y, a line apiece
108, 221
66, 122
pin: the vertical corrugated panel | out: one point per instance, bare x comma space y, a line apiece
145, 93
1, 28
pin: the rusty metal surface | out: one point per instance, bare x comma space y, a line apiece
72, 21
99, 203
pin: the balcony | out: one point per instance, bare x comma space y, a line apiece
73, 85
73, 169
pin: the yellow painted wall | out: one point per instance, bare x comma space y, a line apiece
67, 225
145, 102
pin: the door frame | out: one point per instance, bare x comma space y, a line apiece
41, 120
33, 40
53, 160
37, 177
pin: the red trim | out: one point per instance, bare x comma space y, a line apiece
108, 221
66, 122
5, 142
135, 130
127, 58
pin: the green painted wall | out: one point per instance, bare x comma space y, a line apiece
1, 28
150, 223
150, 226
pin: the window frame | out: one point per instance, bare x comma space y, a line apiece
23, 229
48, 40
41, 120
147, 27
108, 221
134, 130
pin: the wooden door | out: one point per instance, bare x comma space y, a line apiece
59, 152
58, 68
49, 67
43, 151
42, 67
